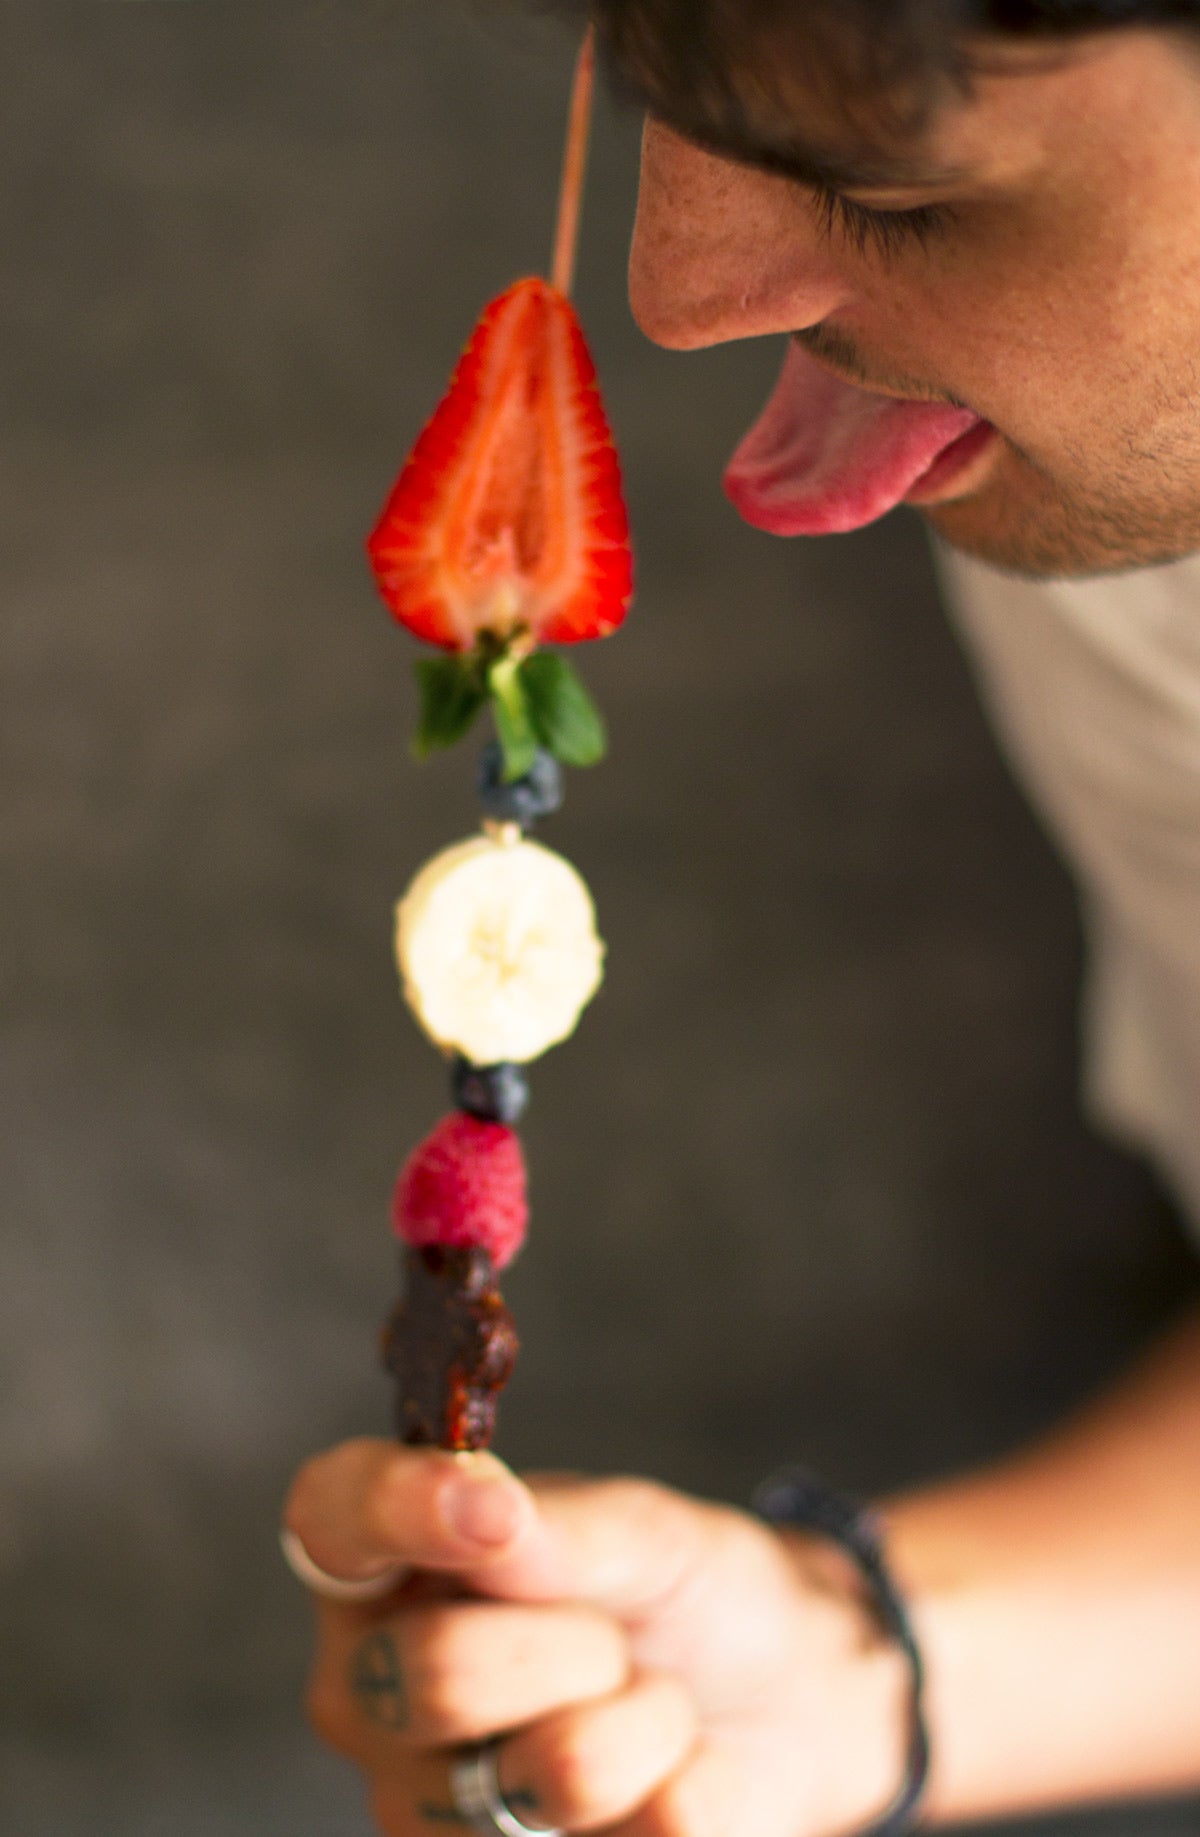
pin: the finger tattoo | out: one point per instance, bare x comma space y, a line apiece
377, 1681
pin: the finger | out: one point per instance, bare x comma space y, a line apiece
447, 1674
576, 1770
588, 1766
416, 1801
368, 1504
705, 1797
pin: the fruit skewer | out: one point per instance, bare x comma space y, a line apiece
504, 532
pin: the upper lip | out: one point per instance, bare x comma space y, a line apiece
897, 395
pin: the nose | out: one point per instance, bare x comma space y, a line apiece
721, 251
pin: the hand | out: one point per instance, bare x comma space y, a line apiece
654, 1665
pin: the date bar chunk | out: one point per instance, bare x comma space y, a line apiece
451, 1345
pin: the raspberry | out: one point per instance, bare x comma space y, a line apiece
464, 1185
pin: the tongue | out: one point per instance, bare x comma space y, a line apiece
824, 456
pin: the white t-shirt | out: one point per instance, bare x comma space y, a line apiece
1095, 686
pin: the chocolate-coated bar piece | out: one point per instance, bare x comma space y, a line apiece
451, 1345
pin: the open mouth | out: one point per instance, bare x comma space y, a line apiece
826, 456
946, 477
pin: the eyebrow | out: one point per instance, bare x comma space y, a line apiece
832, 170
822, 168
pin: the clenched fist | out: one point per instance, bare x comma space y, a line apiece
650, 1665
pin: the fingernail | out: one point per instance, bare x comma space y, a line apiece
485, 1507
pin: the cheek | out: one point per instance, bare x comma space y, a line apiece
1038, 327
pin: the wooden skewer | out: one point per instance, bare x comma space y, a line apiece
570, 191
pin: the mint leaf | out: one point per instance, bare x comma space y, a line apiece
514, 729
451, 696
564, 717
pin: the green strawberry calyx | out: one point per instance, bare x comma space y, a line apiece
537, 700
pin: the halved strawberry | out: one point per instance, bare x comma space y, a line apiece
508, 515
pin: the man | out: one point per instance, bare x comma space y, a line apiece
984, 240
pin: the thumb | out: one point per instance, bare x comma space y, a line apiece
621, 1545
369, 1506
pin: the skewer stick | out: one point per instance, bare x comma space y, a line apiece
570, 192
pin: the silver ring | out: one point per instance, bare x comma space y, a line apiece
334, 1587
477, 1797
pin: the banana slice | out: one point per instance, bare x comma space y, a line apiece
497, 947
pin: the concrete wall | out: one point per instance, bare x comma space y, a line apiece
809, 1180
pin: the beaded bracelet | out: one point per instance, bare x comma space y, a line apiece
799, 1500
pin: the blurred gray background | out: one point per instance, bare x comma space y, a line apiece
810, 1179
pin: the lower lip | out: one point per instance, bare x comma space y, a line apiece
948, 475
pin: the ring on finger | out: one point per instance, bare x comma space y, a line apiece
475, 1789
335, 1587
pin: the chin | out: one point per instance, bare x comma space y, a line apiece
1018, 523
1012, 549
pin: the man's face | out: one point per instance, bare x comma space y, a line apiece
1053, 292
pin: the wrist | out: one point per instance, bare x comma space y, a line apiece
874, 1755
862, 1755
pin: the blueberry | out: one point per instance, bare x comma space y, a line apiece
494, 1093
535, 794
